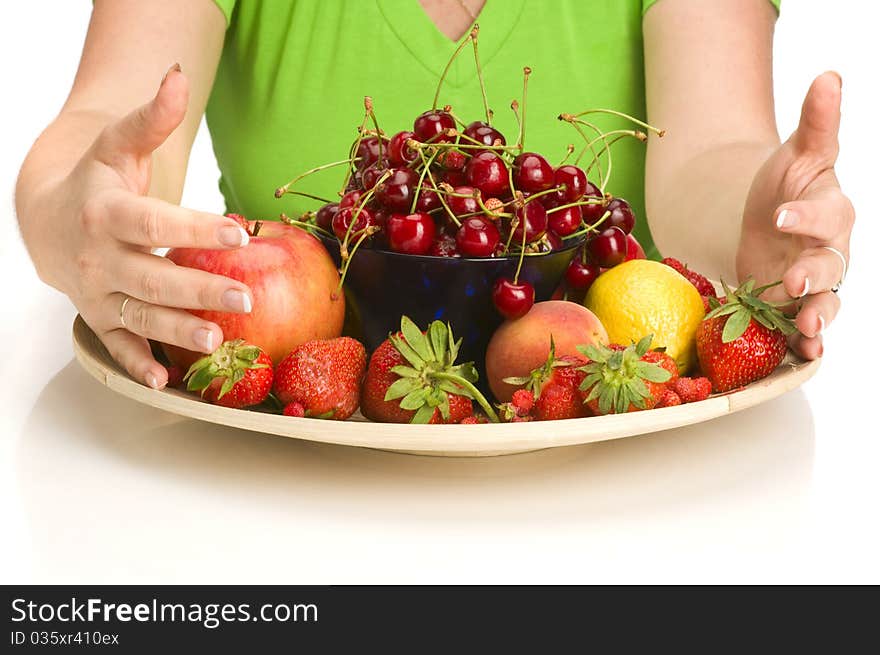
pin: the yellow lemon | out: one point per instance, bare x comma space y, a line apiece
642, 297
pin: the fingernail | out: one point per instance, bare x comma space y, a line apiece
237, 301
204, 339
233, 236
152, 381
821, 324
806, 287
786, 219
174, 67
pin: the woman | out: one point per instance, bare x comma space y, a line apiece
282, 83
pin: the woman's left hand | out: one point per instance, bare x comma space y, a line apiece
797, 222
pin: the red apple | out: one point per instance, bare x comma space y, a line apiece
634, 250
293, 282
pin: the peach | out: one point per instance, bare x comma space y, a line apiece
519, 346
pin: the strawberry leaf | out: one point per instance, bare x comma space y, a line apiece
423, 415
438, 336
414, 399
406, 350
228, 383
736, 325
415, 339
405, 371
401, 388
652, 372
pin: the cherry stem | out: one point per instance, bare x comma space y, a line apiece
308, 227
590, 228
434, 184
425, 169
522, 126
368, 105
448, 66
580, 203
468, 386
514, 107
522, 253
568, 152
368, 232
474, 33
448, 110
357, 213
660, 133
351, 153
308, 195
280, 191
577, 126
258, 225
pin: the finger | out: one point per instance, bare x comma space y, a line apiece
133, 353
814, 271
827, 216
820, 119
806, 347
817, 313
158, 224
147, 127
173, 326
159, 281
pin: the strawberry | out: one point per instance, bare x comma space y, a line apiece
691, 390
523, 401
742, 340
618, 381
662, 359
703, 285
323, 376
668, 399
235, 375
175, 375
412, 377
294, 409
554, 387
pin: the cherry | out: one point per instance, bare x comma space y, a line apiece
487, 172
463, 206
380, 216
452, 178
513, 299
411, 234
397, 190
477, 237
351, 199
431, 125
345, 216
564, 222
621, 215
532, 173
533, 219
634, 249
485, 134
608, 248
444, 246
324, 217
552, 242
368, 151
372, 173
574, 183
452, 160
581, 274
592, 213
399, 154
428, 200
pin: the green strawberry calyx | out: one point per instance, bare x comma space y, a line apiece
744, 304
617, 377
231, 361
432, 374
536, 380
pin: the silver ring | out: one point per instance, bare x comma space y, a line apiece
836, 287
122, 312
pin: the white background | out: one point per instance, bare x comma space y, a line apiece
95, 488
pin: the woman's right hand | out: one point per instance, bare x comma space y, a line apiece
103, 227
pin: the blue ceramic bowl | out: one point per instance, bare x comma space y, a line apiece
381, 286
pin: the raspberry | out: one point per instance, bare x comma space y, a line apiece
175, 375
668, 399
700, 282
706, 307
472, 420
692, 390
294, 409
522, 401
521, 419
674, 264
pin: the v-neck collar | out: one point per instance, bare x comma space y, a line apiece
427, 44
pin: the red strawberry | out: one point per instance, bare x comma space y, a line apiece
664, 360
523, 401
412, 377
742, 340
692, 390
323, 376
618, 381
703, 285
175, 375
294, 409
553, 387
235, 375
668, 399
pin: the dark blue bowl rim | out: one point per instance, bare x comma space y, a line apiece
401, 255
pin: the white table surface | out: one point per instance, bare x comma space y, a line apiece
96, 488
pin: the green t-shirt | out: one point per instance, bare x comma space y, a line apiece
289, 90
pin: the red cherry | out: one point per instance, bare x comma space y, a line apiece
477, 237
634, 249
564, 222
431, 125
428, 200
444, 246
592, 213
452, 178
399, 154
621, 215
487, 172
463, 206
513, 299
324, 217
484, 133
574, 183
580, 274
345, 216
608, 248
368, 151
452, 160
532, 173
397, 190
372, 173
553, 241
533, 219
411, 233
351, 199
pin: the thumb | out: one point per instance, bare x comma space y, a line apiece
820, 118
146, 128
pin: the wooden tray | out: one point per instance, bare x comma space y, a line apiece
438, 440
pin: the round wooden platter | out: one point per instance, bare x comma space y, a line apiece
439, 440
